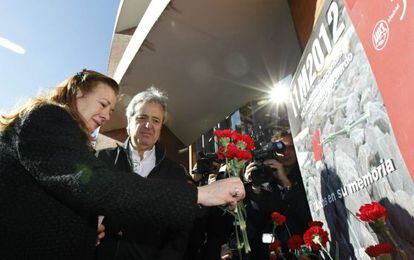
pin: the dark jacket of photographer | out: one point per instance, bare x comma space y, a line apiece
291, 202
148, 242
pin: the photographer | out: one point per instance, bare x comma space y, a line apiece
206, 170
275, 185
212, 228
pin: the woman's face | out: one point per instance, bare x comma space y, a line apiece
96, 106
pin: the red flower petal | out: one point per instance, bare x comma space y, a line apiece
220, 153
275, 246
234, 152
372, 212
295, 242
247, 140
223, 133
379, 249
315, 232
315, 223
278, 218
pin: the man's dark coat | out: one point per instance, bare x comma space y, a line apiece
146, 243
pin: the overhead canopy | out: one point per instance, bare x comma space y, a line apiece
211, 57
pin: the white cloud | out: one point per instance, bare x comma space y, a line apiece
11, 46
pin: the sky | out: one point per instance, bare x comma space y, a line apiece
42, 42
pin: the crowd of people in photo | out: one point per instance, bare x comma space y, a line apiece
273, 184
54, 185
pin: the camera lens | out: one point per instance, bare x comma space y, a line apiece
279, 146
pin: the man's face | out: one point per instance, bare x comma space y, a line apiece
289, 158
145, 126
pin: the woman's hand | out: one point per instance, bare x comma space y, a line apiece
222, 192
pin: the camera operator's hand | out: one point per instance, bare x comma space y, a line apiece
212, 177
248, 173
222, 192
101, 233
196, 176
280, 174
248, 176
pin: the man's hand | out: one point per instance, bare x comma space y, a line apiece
280, 173
222, 192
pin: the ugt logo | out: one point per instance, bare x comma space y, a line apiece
380, 35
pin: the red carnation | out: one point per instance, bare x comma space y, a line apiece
372, 212
379, 249
295, 242
235, 136
223, 133
233, 152
244, 155
245, 139
220, 153
316, 236
249, 142
275, 246
278, 218
315, 223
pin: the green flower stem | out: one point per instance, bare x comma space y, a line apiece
383, 257
274, 232
242, 225
396, 245
239, 246
240, 212
324, 249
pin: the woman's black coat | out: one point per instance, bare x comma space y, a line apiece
52, 188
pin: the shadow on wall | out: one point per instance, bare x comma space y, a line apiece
400, 222
336, 216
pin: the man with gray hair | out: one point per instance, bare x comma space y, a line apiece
141, 154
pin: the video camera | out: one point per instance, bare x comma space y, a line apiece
263, 173
207, 163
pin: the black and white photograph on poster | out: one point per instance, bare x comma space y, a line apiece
345, 143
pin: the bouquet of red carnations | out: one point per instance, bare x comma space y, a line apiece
235, 148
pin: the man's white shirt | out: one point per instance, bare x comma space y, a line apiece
142, 167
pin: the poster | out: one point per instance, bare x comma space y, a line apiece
345, 142
387, 34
